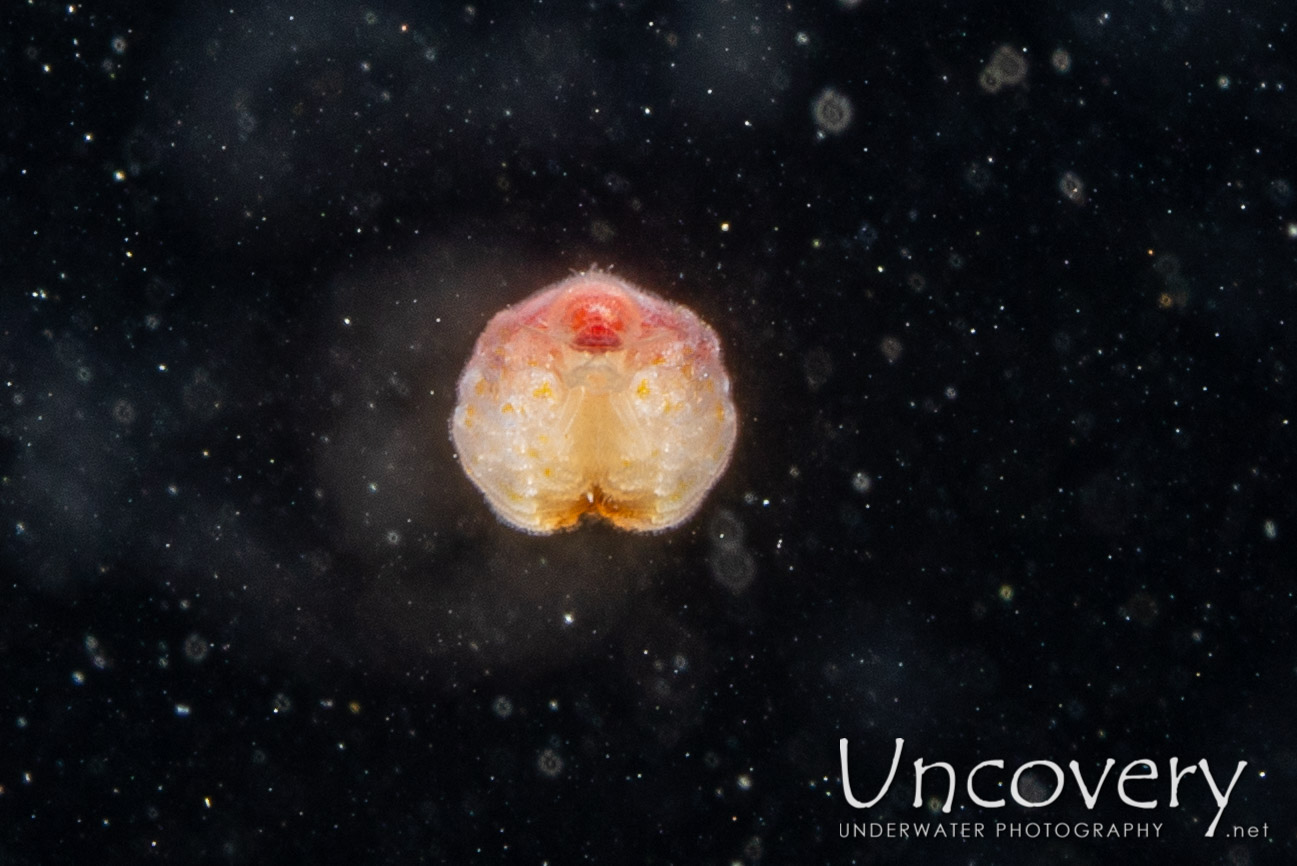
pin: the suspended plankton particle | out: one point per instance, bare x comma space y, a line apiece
594, 396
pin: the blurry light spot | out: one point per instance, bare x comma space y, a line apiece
733, 568
1072, 187
123, 412
196, 648
866, 235
726, 530
602, 231
977, 176
550, 764
1006, 68
892, 348
818, 367
832, 111
1280, 192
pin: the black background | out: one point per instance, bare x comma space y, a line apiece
1012, 478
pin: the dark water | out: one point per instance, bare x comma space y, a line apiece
1007, 296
